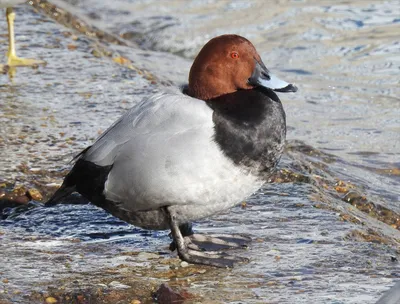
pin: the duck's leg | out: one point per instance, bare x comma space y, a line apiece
192, 253
13, 59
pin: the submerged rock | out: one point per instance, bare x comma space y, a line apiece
166, 294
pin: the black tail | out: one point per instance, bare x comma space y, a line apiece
62, 192
67, 187
69, 184
86, 178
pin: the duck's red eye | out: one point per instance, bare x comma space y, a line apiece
235, 55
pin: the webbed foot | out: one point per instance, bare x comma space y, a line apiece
221, 260
205, 249
14, 61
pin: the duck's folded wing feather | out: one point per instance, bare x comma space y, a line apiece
170, 112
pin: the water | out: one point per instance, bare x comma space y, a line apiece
344, 57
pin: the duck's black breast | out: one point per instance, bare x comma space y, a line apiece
250, 128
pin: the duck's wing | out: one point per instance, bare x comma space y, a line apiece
164, 112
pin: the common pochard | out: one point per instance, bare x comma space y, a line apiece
182, 155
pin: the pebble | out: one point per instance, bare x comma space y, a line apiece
53, 185
36, 169
51, 300
166, 294
147, 256
184, 264
102, 285
118, 285
35, 194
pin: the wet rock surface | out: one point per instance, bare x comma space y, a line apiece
325, 229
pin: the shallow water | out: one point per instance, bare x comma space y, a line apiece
344, 56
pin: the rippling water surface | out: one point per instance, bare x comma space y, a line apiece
343, 55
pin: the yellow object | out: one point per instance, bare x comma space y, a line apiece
13, 59
51, 300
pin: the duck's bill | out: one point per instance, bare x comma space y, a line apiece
263, 77
277, 84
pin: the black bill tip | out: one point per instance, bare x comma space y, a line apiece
288, 88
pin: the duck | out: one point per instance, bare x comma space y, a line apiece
189, 153
12, 58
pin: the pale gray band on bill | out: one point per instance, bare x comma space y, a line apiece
276, 84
